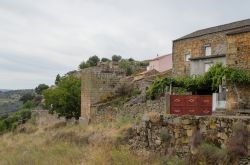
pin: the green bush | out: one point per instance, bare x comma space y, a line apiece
208, 81
213, 154
29, 105
123, 120
165, 136
40, 88
65, 99
12, 121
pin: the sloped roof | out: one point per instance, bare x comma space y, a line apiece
238, 31
160, 57
220, 28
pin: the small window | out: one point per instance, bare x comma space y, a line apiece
208, 51
187, 56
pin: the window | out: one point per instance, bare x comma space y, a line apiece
187, 56
207, 66
208, 51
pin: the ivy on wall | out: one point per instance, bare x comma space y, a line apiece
210, 80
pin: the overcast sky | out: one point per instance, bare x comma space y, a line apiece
41, 38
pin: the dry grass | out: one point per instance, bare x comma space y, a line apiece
50, 142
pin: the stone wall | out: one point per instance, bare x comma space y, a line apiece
238, 98
108, 112
175, 134
196, 47
98, 83
238, 56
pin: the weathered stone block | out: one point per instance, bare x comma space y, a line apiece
186, 121
189, 133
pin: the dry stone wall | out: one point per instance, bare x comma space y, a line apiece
107, 112
174, 134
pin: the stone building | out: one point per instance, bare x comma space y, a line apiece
98, 83
228, 44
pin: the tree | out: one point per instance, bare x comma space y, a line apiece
27, 97
131, 60
105, 59
93, 60
116, 58
83, 65
65, 99
40, 88
127, 66
58, 77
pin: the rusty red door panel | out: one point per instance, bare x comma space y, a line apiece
178, 110
205, 111
191, 110
191, 100
205, 101
191, 105
178, 100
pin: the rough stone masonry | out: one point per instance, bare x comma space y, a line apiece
179, 130
98, 83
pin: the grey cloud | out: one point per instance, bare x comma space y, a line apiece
53, 36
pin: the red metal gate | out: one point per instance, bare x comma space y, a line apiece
191, 105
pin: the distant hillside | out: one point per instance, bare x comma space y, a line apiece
4, 90
9, 100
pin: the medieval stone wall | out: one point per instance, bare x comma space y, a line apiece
174, 134
98, 83
196, 47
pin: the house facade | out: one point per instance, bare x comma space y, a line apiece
228, 44
161, 64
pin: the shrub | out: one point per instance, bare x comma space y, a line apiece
93, 60
237, 145
124, 89
124, 120
116, 58
135, 92
40, 88
105, 59
213, 154
208, 81
26, 97
12, 121
107, 97
65, 99
165, 136
29, 104
82, 65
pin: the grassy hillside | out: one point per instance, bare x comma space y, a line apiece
47, 140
